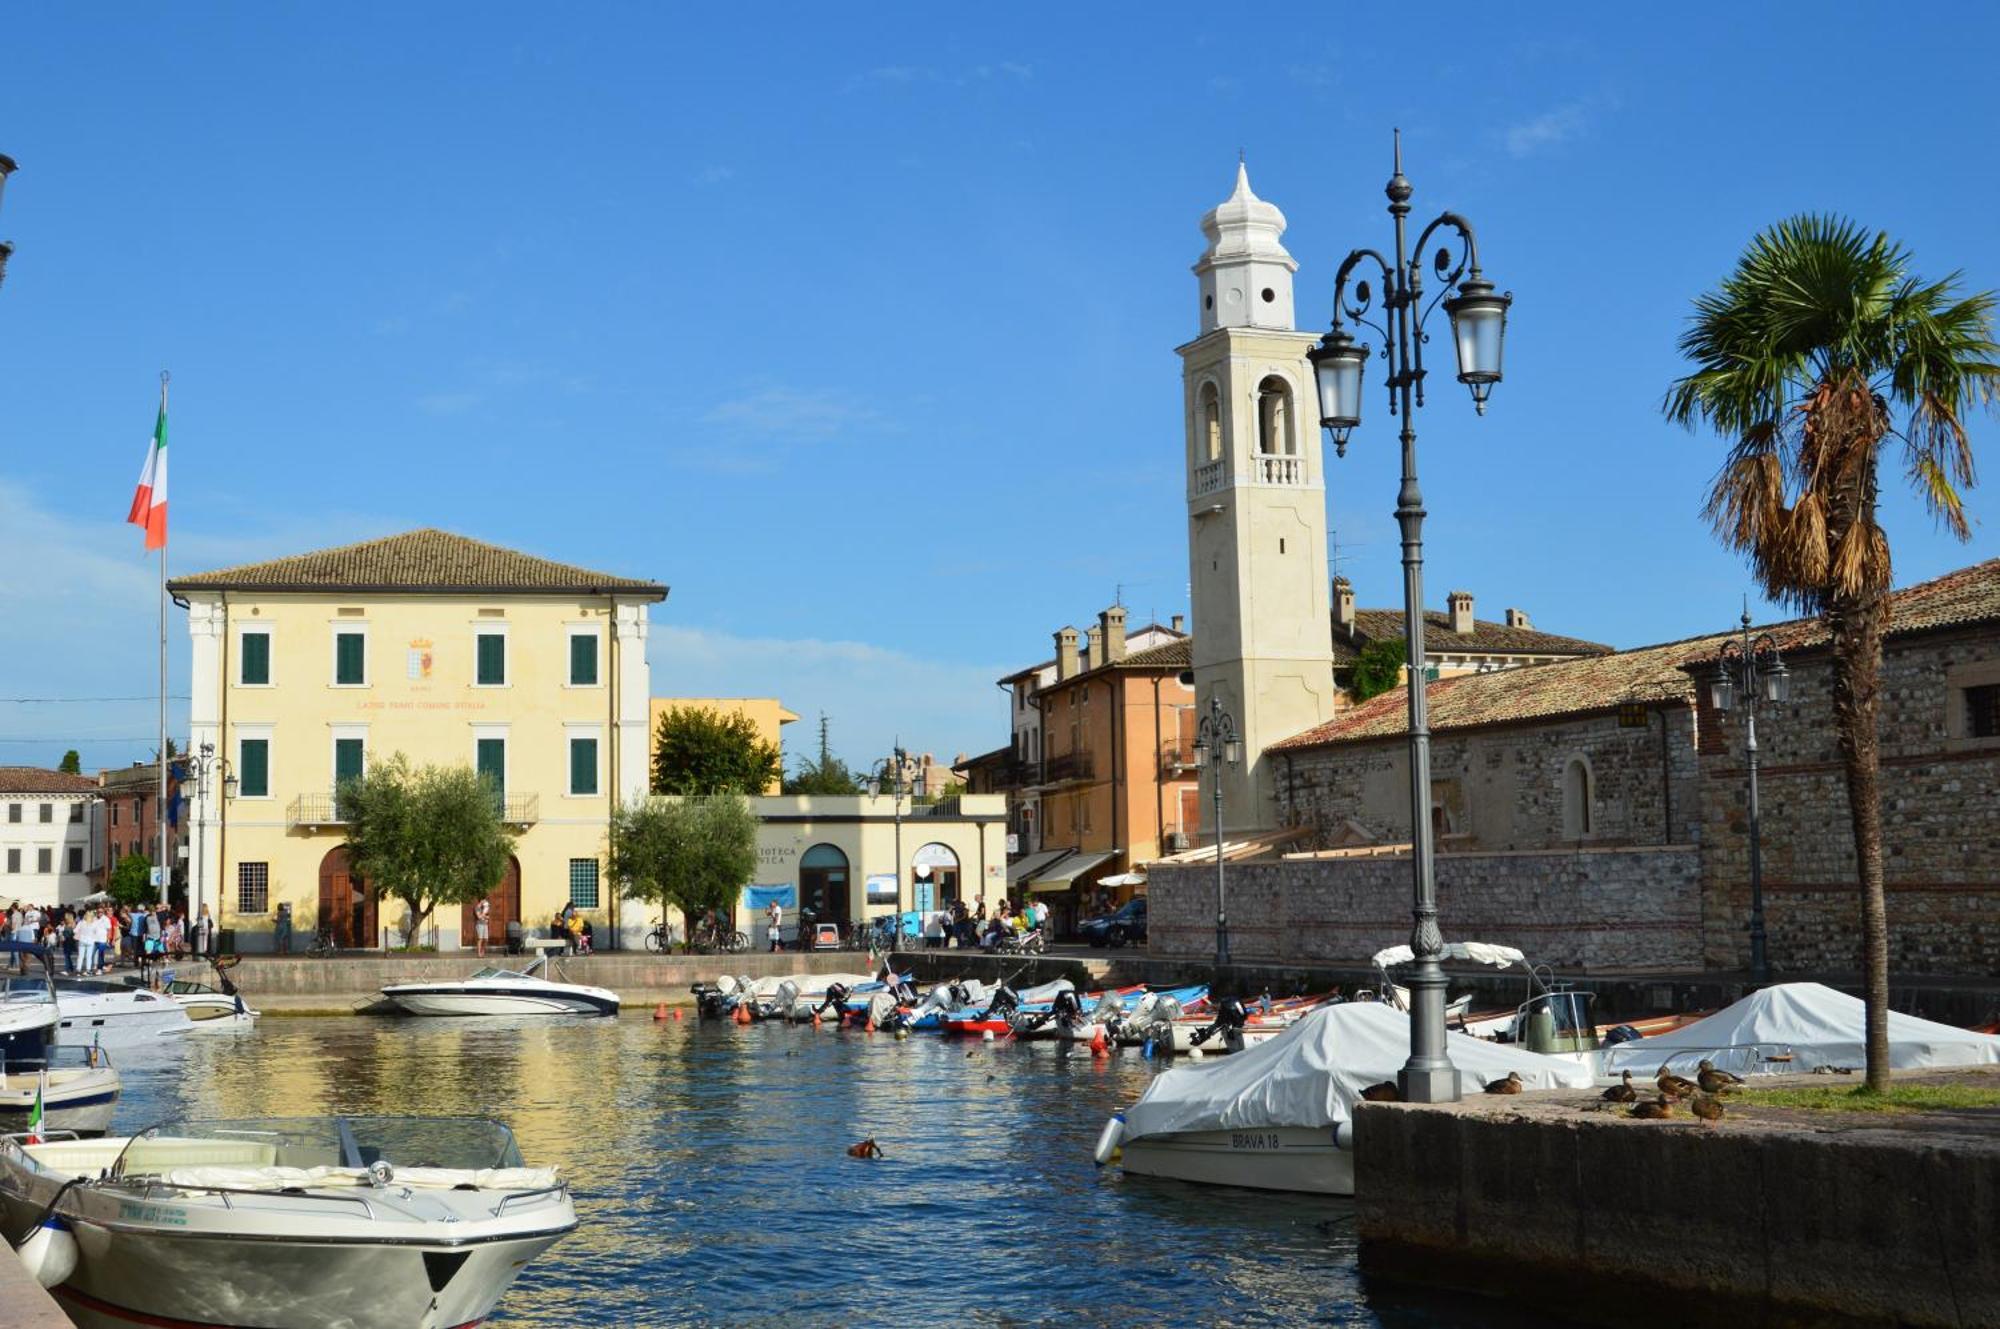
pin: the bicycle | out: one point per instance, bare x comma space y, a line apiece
706, 939
661, 938
323, 945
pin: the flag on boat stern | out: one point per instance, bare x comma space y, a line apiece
35, 1117
149, 502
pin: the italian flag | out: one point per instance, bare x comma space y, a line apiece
35, 1117
149, 502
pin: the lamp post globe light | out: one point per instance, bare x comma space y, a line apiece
1478, 317
888, 776
1215, 746
1751, 670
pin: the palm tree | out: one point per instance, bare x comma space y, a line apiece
1818, 350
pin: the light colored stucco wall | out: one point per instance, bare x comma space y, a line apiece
419, 698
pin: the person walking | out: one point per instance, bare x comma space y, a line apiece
481, 913
204, 935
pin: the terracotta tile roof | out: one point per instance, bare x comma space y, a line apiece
35, 780
1649, 674
425, 560
1176, 654
1484, 639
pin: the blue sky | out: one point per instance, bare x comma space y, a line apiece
856, 324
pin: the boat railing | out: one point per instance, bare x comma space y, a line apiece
149, 1187
517, 1196
1736, 1058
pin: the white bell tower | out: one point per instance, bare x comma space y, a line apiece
1256, 505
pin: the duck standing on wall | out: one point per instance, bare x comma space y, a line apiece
1510, 1085
1715, 1081
1707, 1107
1622, 1093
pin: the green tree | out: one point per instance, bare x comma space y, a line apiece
132, 880
698, 751
429, 838
690, 854
827, 774
72, 763
1821, 347
1378, 668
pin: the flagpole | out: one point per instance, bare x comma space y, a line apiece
160, 811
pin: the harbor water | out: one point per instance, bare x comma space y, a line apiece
710, 1169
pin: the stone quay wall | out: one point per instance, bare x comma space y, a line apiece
1591, 910
1940, 819
1598, 1217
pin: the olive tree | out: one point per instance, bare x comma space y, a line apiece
431, 837
690, 854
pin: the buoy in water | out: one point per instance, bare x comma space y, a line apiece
743, 1015
50, 1253
660, 1011
1194, 1054
869, 1026
986, 1037
677, 1012
902, 1034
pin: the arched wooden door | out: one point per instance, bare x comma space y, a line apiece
344, 903
505, 908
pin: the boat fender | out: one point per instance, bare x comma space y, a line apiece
986, 1036
1195, 1053
1343, 1136
1107, 1140
50, 1252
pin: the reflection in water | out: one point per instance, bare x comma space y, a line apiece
710, 1171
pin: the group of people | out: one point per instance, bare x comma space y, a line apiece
93, 938
972, 927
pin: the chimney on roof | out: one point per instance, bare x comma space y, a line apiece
1179, 623
1066, 653
1518, 618
1460, 603
1343, 604
1111, 623
1093, 649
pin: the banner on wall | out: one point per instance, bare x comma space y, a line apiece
785, 894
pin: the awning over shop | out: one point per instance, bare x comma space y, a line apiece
1123, 879
1061, 876
1024, 870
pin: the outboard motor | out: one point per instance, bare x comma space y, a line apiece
1067, 1008
709, 997
1230, 1017
836, 1001
1004, 1004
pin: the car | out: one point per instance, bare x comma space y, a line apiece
1123, 924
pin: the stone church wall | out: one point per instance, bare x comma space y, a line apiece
1594, 910
1940, 819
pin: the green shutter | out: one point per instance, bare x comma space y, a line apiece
492, 761
347, 658
256, 659
492, 658
254, 780
583, 660
583, 766
346, 760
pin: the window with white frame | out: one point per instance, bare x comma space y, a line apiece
489, 656
584, 745
253, 657
253, 762
253, 888
584, 671
350, 654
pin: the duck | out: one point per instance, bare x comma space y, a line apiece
1510, 1085
1715, 1081
1622, 1093
1657, 1110
1673, 1086
866, 1149
1384, 1092
1707, 1107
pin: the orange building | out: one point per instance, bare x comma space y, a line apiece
1117, 781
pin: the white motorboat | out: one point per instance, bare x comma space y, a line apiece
492, 991
216, 1005
100, 1013
1280, 1116
78, 1087
284, 1223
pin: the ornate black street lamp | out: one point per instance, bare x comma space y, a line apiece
1752, 668
207, 765
1216, 746
7, 168
1478, 324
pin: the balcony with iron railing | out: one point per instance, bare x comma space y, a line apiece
1066, 766
312, 811
1176, 760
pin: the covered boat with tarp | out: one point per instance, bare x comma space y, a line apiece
1279, 1116
1793, 1027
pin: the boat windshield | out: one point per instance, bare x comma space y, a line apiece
26, 988
307, 1142
490, 972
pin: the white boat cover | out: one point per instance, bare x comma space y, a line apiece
808, 985
1480, 952
1815, 1024
1314, 1072
1045, 991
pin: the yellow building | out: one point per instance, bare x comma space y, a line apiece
767, 713
448, 650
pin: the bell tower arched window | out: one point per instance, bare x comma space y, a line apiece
1274, 417
1576, 799
1210, 424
